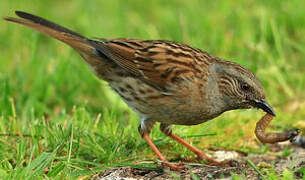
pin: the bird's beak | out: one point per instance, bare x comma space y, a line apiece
262, 104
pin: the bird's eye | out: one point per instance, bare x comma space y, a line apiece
245, 86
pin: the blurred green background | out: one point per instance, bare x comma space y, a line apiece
58, 120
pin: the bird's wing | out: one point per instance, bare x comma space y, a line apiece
160, 63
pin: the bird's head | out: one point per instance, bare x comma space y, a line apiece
240, 88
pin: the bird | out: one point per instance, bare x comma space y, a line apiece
163, 81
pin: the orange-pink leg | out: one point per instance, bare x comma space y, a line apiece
160, 156
201, 155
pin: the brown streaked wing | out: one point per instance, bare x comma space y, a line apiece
120, 53
159, 63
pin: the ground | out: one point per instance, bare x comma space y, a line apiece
242, 166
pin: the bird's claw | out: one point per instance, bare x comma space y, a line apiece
207, 160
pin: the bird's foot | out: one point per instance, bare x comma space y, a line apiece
201, 156
211, 162
174, 167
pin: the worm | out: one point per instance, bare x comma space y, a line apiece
300, 141
271, 138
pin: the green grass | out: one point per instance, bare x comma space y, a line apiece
63, 122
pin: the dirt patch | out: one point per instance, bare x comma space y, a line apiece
241, 166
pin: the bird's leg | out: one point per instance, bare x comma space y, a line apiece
144, 130
160, 156
153, 147
200, 154
166, 129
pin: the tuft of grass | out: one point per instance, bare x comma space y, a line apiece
57, 120
256, 169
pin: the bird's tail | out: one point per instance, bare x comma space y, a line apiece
56, 31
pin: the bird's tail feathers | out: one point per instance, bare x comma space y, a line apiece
56, 31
